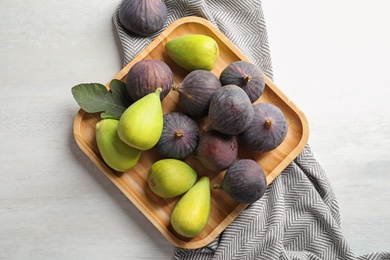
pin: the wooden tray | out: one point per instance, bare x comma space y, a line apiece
134, 182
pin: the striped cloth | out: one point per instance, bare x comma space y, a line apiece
298, 216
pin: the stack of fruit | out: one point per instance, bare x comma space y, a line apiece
215, 113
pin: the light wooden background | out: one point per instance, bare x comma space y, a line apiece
331, 58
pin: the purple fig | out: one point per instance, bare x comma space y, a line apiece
247, 76
230, 111
179, 137
146, 76
143, 17
216, 151
244, 181
267, 130
195, 92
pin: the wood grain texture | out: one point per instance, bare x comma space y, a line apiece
134, 182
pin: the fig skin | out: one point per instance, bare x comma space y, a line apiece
267, 130
115, 153
193, 51
179, 137
216, 151
247, 76
230, 111
196, 91
146, 76
140, 126
191, 213
244, 181
143, 17
169, 178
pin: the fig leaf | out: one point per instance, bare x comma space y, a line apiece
95, 97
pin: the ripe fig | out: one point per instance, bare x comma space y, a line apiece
140, 126
179, 137
244, 181
143, 17
267, 130
230, 111
168, 178
193, 51
115, 153
247, 76
216, 151
146, 76
191, 213
195, 92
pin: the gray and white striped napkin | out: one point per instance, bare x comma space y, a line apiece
298, 216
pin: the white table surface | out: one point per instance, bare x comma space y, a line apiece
330, 57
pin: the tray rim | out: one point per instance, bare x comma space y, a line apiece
271, 176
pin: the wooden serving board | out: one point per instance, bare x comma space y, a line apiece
134, 182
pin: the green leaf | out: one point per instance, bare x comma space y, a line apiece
95, 97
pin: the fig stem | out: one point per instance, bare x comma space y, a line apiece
216, 186
268, 123
175, 87
247, 78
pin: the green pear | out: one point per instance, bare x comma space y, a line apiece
191, 213
170, 177
193, 51
141, 125
115, 153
